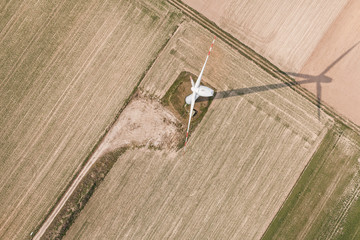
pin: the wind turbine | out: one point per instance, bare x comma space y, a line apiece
198, 90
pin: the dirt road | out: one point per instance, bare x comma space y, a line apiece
136, 125
67, 195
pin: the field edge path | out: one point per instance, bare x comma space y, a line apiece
260, 61
93, 156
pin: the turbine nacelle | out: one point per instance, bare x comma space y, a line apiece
201, 91
204, 91
195, 90
198, 90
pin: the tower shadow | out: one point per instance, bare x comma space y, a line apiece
306, 78
321, 78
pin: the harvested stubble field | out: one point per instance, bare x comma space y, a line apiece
70, 66
331, 73
134, 128
285, 32
67, 68
240, 165
325, 202
308, 39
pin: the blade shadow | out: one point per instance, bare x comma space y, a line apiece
318, 79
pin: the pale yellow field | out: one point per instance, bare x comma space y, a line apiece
241, 162
66, 70
285, 32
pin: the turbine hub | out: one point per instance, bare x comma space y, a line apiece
195, 90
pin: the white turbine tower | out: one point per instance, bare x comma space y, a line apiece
198, 90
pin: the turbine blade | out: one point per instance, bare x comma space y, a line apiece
191, 112
192, 81
202, 70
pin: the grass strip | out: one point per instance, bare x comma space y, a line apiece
320, 196
82, 194
126, 102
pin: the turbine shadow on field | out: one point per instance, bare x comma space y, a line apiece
318, 79
321, 78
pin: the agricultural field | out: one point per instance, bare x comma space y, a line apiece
337, 58
325, 202
67, 68
86, 82
316, 42
286, 33
143, 123
238, 168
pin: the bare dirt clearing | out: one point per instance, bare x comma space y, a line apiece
66, 70
144, 122
241, 162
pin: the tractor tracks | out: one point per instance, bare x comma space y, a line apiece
258, 60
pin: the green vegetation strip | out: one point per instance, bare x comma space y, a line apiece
319, 205
82, 194
126, 102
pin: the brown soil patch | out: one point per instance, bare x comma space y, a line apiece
144, 122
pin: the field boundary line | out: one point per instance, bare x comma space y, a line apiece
91, 159
339, 133
260, 61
